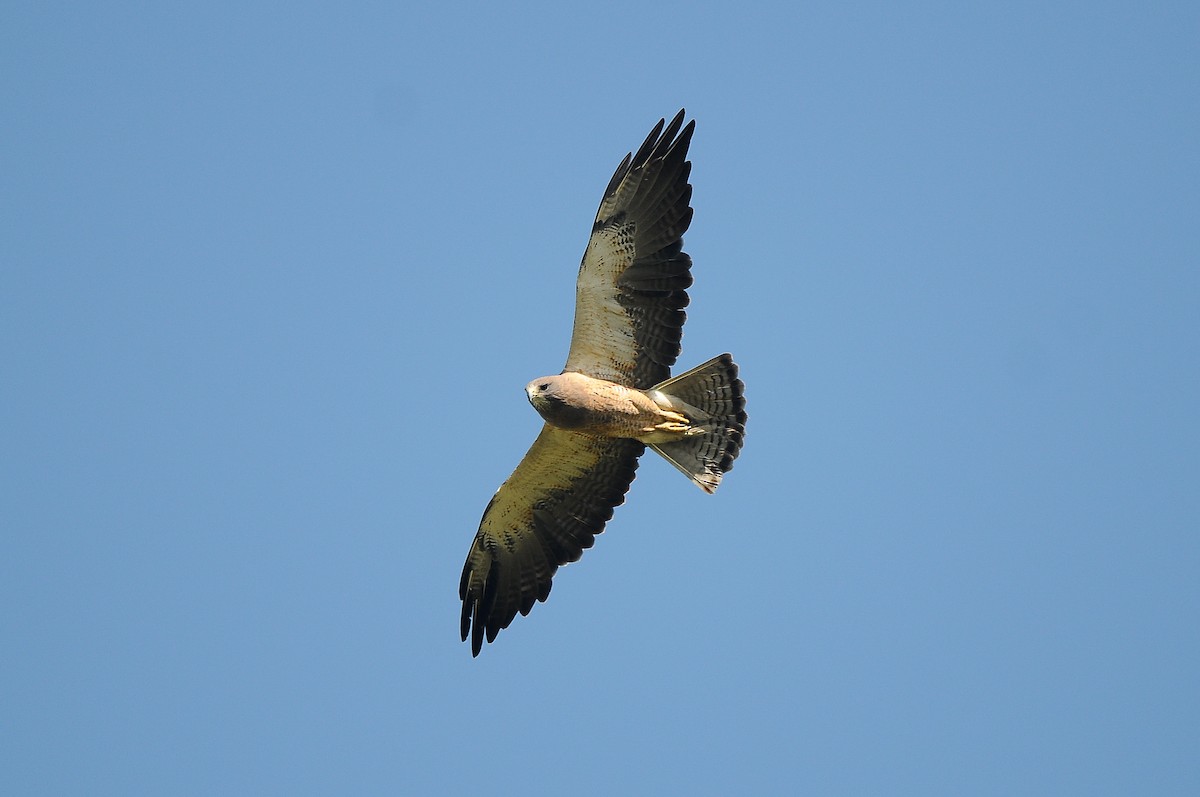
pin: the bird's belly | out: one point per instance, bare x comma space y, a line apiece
607, 410
619, 423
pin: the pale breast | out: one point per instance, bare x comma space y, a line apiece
605, 408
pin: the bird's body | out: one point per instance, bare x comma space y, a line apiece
614, 397
579, 402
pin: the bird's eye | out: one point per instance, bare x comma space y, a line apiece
544, 386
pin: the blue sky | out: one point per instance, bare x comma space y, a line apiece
272, 279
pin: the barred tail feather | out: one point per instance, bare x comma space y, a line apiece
712, 398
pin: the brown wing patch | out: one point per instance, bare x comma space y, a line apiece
632, 287
548, 511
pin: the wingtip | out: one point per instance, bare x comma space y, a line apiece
476, 632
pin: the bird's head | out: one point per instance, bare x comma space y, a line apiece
549, 396
542, 392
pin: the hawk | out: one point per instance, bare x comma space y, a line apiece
614, 397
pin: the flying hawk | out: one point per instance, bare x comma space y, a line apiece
613, 398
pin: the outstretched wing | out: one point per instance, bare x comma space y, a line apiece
633, 281
548, 511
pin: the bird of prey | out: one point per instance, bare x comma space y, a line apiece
614, 397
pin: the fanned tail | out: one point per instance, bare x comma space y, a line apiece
712, 398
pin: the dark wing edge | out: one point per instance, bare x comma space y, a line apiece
635, 265
545, 515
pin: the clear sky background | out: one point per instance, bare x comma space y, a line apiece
273, 276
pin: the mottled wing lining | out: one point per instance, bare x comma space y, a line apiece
548, 511
632, 286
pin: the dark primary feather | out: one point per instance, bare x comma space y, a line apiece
646, 210
545, 515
